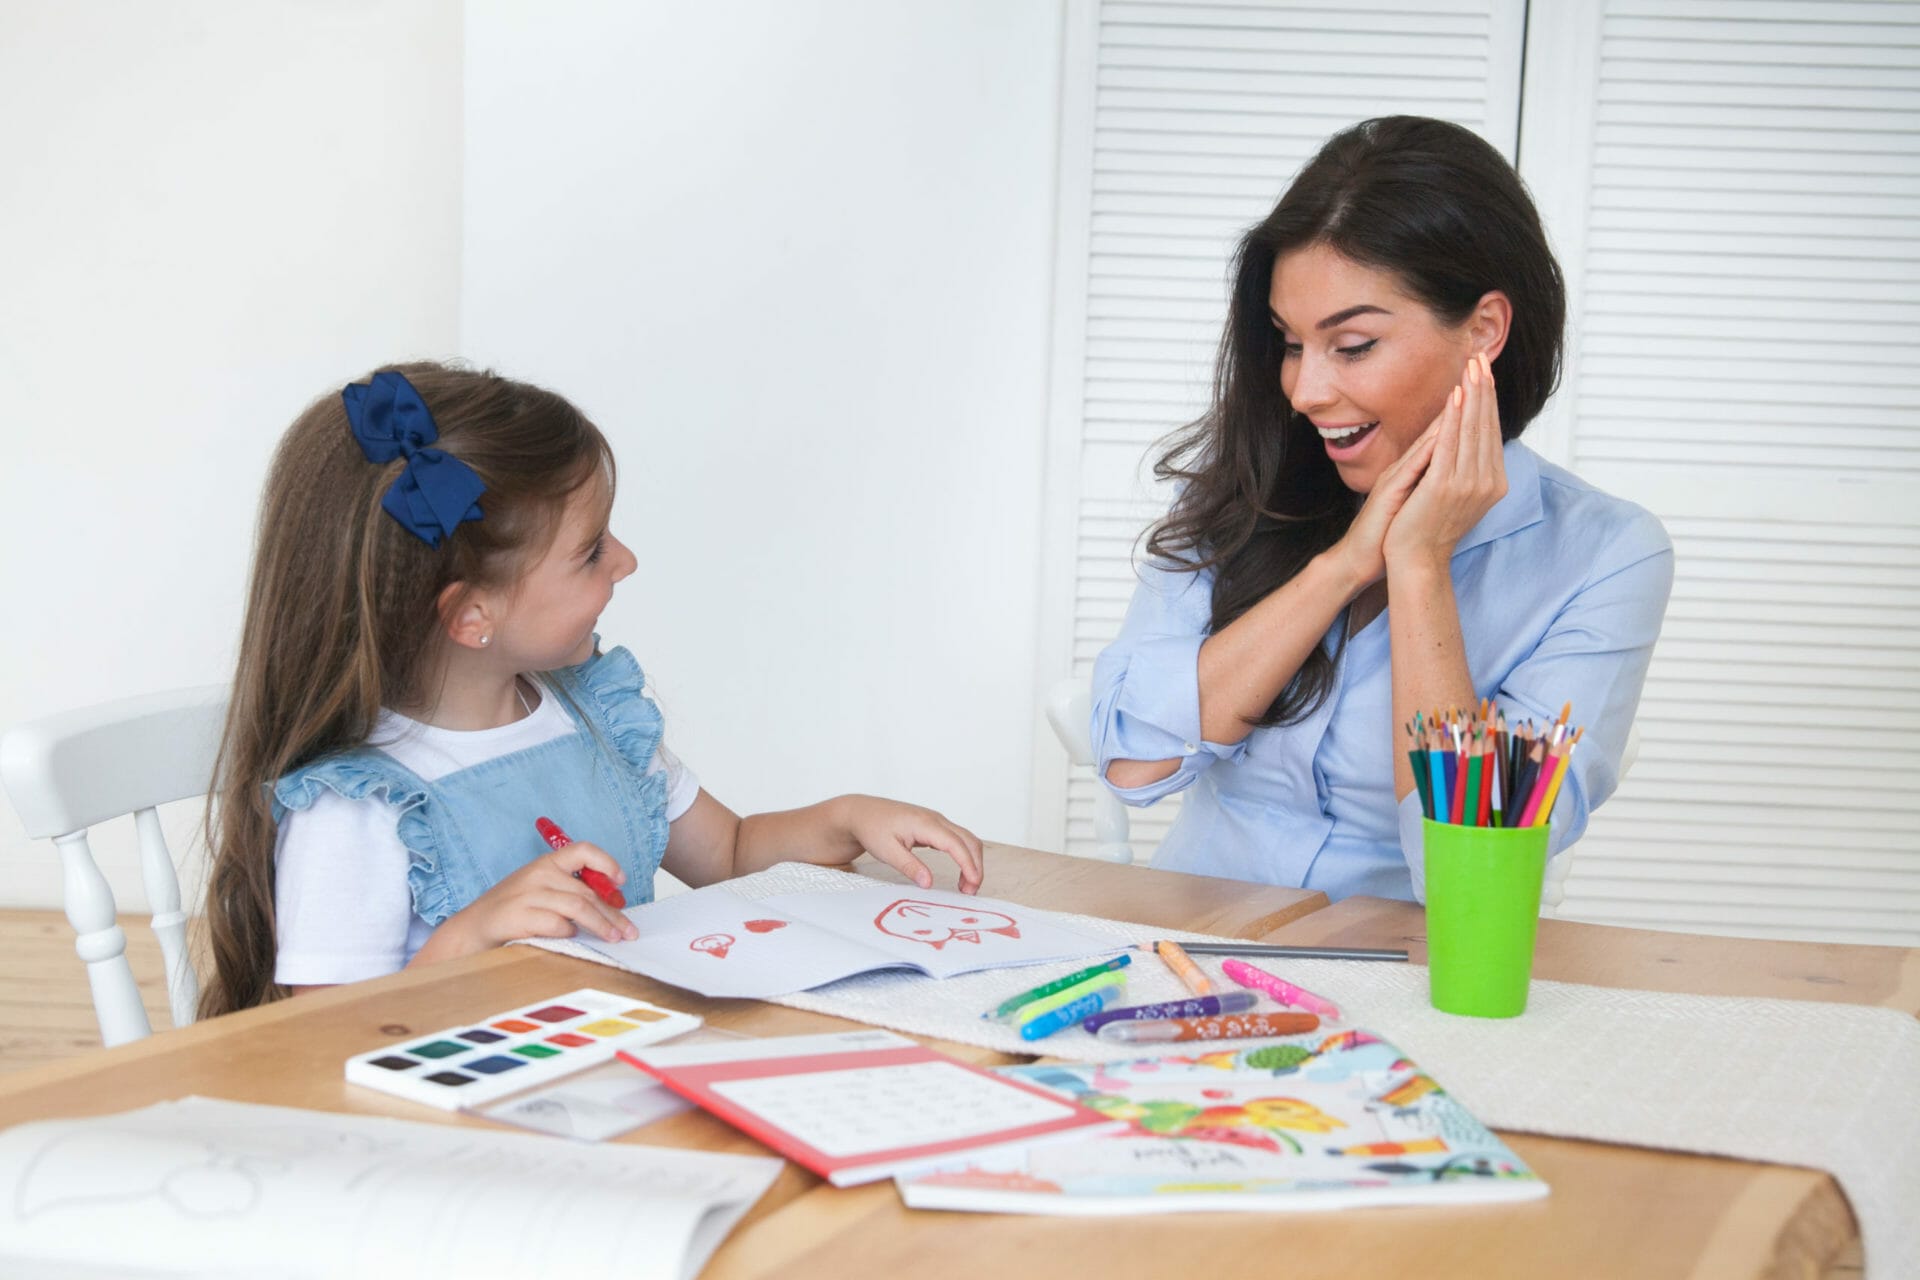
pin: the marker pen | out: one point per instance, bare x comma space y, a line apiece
1223, 1028
595, 880
1256, 979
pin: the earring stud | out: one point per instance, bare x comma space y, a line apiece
485, 640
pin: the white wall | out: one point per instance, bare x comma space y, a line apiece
210, 212
796, 260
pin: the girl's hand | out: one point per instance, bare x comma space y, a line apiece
1465, 477
1362, 548
890, 831
544, 899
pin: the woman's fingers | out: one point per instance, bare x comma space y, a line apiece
1486, 417
1446, 443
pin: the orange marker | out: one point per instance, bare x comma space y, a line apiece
1183, 967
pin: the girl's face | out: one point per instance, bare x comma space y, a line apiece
1369, 365
548, 617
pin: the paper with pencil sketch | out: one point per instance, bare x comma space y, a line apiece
202, 1187
717, 943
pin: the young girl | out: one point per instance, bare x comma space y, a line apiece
419, 682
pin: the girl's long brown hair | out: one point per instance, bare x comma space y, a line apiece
342, 615
1442, 211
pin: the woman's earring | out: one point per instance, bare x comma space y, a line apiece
484, 640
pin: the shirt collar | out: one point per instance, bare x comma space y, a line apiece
1521, 505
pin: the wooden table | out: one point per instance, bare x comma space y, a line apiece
1614, 1211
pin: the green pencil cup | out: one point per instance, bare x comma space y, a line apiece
1483, 908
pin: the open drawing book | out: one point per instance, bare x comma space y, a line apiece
1316, 1122
209, 1188
718, 943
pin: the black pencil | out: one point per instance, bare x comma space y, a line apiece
1273, 949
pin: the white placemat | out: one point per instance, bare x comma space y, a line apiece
1825, 1086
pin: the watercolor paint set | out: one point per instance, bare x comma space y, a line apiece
473, 1063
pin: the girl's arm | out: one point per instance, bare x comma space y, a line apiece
710, 843
1245, 665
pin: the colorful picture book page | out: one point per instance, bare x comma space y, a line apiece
719, 944
200, 1187
1315, 1122
473, 1063
858, 1106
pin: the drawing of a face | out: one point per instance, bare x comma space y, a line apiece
937, 924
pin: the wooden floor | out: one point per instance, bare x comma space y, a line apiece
46, 1007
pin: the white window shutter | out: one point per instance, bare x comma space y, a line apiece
1734, 189
1181, 124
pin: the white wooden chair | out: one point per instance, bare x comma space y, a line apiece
71, 771
1070, 712
1553, 891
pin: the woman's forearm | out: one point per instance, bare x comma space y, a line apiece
1429, 657
1245, 665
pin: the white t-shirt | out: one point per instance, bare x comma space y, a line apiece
341, 901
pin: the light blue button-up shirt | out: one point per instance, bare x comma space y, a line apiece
1561, 591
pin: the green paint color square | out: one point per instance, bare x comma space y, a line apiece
537, 1051
439, 1049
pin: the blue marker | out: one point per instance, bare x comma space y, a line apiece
1066, 1015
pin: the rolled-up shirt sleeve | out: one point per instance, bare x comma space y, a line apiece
1146, 685
1594, 655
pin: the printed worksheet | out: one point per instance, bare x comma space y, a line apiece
717, 943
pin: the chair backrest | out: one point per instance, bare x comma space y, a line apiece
1553, 890
1069, 711
74, 770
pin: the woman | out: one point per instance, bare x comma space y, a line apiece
1360, 535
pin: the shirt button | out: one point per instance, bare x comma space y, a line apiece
1188, 747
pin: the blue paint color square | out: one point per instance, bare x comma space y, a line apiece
495, 1065
479, 1035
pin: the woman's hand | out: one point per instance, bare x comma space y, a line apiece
890, 831
1465, 476
543, 899
1362, 549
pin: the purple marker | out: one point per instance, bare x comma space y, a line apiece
1195, 1007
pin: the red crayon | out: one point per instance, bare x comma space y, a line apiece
595, 880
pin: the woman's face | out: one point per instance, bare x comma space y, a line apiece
1370, 365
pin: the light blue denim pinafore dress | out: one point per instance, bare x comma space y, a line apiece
467, 831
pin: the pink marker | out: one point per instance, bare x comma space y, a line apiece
1279, 988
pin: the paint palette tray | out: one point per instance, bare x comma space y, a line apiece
472, 1063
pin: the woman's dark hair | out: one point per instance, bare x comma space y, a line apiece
1443, 212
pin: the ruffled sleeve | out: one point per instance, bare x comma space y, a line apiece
373, 776
612, 689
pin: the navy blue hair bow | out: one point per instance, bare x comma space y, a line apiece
437, 490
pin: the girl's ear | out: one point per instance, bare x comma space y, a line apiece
1488, 325
466, 615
